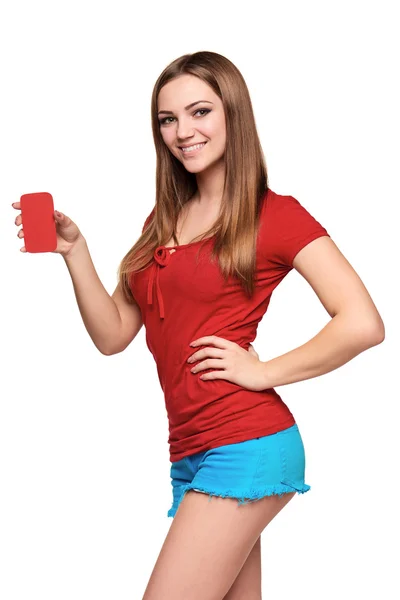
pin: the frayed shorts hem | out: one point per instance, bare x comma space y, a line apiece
285, 487
246, 471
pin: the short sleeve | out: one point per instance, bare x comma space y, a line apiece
288, 228
147, 221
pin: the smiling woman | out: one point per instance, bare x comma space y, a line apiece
213, 249
188, 127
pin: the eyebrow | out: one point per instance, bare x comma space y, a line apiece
169, 112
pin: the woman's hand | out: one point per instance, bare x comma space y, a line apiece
237, 364
68, 233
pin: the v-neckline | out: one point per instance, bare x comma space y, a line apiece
174, 248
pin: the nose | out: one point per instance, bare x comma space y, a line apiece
184, 131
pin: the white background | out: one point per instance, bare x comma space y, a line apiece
84, 465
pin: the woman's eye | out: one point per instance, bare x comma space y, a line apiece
165, 120
204, 110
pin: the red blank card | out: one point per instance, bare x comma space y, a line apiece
37, 213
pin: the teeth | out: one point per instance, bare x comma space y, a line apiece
190, 148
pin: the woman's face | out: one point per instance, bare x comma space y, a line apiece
203, 122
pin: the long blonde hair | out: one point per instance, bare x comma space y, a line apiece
246, 178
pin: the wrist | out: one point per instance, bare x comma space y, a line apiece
76, 249
266, 375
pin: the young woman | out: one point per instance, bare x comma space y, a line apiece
216, 244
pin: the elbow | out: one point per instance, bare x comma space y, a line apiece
364, 332
374, 332
378, 333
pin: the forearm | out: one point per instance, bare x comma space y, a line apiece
343, 338
98, 310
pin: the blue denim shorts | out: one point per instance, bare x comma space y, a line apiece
247, 471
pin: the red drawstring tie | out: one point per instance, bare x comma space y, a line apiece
162, 256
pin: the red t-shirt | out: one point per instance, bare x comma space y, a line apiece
181, 301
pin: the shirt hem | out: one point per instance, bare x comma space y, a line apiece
234, 439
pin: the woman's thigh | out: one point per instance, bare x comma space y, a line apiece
207, 546
247, 584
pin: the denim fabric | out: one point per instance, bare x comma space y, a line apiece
247, 471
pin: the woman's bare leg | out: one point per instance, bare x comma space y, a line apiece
247, 584
207, 546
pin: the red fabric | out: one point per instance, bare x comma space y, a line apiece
182, 300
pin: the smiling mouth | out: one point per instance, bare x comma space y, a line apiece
192, 149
